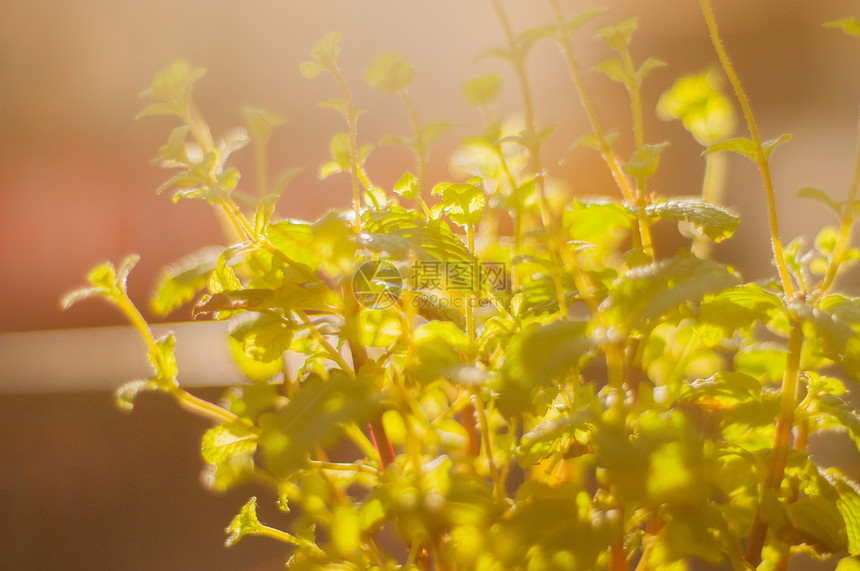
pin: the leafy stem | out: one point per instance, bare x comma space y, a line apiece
606, 152
782, 439
761, 157
533, 144
332, 353
352, 121
844, 236
186, 400
420, 147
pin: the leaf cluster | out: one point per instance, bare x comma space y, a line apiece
558, 398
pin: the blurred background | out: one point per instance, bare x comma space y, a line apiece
83, 486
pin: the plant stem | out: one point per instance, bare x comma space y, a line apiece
761, 158
340, 467
333, 353
588, 105
782, 438
713, 184
419, 148
788, 391
484, 427
352, 121
186, 399
533, 147
359, 357
267, 531
470, 310
844, 237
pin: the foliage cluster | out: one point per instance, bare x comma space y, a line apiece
600, 409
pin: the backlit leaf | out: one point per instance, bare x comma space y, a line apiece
482, 91
243, 524
698, 101
648, 292
407, 186
172, 87
820, 196
224, 441
265, 338
715, 222
390, 72
618, 36
179, 282
644, 161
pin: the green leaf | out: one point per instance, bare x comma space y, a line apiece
315, 415
699, 103
462, 202
614, 70
482, 91
311, 69
179, 282
848, 564
618, 36
163, 359
323, 56
106, 282
848, 503
604, 224
644, 161
390, 72
557, 523
765, 361
646, 68
527, 39
433, 131
340, 154
577, 21
339, 105
256, 371
715, 222
820, 196
223, 277
538, 358
592, 141
816, 520
746, 147
243, 524
407, 186
228, 301
842, 412
225, 441
735, 310
725, 385
126, 395
261, 123
837, 339
172, 88
701, 533
333, 239
174, 153
544, 439
850, 26
265, 338
646, 293
397, 231
438, 346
